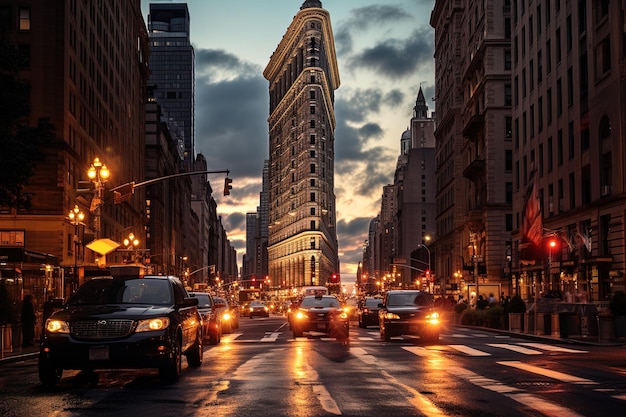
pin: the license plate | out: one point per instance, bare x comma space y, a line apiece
321, 326
99, 353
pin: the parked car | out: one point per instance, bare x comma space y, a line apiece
211, 320
368, 311
258, 309
123, 322
408, 312
321, 313
224, 312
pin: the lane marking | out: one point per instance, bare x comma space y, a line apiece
520, 396
559, 376
469, 351
271, 337
552, 348
514, 348
419, 401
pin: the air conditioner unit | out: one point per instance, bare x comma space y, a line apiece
606, 190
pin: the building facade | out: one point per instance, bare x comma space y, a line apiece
87, 70
568, 129
172, 72
303, 75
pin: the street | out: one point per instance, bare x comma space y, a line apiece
260, 370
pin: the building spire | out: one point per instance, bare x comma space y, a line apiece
420, 111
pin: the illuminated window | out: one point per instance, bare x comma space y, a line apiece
24, 23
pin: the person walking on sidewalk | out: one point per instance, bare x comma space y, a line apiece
28, 321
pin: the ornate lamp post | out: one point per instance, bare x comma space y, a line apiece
76, 217
131, 243
99, 174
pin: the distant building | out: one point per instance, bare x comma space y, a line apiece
303, 75
172, 72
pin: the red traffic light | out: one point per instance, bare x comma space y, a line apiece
334, 278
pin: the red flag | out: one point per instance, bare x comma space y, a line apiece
532, 222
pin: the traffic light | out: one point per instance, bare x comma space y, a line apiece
334, 278
227, 186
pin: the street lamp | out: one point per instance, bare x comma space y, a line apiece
131, 243
76, 217
99, 174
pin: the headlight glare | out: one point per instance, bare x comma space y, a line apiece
391, 316
151, 325
57, 326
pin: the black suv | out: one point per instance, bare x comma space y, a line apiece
321, 313
408, 312
123, 322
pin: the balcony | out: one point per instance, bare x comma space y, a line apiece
474, 125
475, 169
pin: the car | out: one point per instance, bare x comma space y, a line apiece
368, 312
321, 313
225, 315
211, 319
408, 312
126, 321
258, 309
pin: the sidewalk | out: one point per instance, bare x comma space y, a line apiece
17, 354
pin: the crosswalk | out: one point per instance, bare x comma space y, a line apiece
486, 349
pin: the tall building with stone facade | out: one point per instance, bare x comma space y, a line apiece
568, 128
86, 67
474, 142
303, 75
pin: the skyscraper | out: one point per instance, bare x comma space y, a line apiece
303, 75
172, 72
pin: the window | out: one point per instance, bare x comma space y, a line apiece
312, 196
559, 147
540, 114
548, 56
508, 127
558, 46
559, 98
312, 182
312, 211
507, 94
508, 160
312, 109
312, 123
312, 94
550, 156
24, 23
602, 9
312, 168
568, 25
571, 139
539, 66
603, 57
312, 139
570, 87
549, 105
507, 60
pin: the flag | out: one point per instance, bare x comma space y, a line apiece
532, 222
584, 237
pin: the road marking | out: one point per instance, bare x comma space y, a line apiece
363, 355
469, 351
419, 401
514, 348
552, 348
271, 337
522, 397
416, 350
560, 376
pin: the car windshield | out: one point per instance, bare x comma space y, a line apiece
309, 302
409, 299
204, 301
123, 291
372, 302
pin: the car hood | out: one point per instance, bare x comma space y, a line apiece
111, 311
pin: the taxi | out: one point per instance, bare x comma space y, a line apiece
123, 321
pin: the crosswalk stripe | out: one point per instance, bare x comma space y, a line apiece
560, 376
514, 348
553, 348
469, 351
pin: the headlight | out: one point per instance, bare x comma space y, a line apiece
266, 309
57, 326
300, 315
391, 316
226, 316
150, 325
343, 315
433, 318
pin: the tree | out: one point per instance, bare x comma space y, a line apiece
21, 144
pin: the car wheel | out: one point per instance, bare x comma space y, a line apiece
214, 337
49, 374
194, 356
171, 371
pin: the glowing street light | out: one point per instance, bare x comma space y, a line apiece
76, 217
99, 174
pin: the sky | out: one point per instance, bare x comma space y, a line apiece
384, 53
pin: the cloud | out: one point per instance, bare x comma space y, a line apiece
397, 58
362, 19
231, 122
217, 64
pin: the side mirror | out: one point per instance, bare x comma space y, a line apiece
190, 302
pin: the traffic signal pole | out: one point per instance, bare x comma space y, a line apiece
129, 187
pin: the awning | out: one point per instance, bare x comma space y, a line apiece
103, 246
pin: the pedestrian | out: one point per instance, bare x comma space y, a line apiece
28, 321
482, 303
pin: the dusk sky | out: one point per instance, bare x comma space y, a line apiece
384, 52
